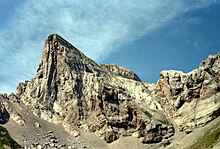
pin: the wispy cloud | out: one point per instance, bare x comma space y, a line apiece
96, 27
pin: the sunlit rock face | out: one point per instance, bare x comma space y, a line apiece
191, 99
120, 71
109, 100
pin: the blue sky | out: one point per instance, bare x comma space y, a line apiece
146, 36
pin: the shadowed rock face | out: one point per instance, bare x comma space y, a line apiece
111, 101
4, 115
8, 110
71, 88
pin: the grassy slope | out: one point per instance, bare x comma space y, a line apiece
201, 138
6, 140
208, 139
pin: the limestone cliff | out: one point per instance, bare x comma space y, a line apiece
72, 89
191, 99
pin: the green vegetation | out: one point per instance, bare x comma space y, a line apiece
208, 139
6, 140
147, 113
164, 121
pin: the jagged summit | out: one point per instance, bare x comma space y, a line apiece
58, 39
60, 43
59, 53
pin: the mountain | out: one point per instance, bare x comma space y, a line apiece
75, 102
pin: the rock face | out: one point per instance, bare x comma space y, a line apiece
111, 101
191, 99
8, 109
7, 112
4, 115
121, 71
71, 88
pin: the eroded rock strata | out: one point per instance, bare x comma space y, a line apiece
191, 99
71, 88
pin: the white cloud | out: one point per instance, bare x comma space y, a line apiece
96, 27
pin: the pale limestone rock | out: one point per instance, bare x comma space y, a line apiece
17, 118
121, 71
37, 125
71, 130
191, 99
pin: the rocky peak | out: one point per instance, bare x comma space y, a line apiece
59, 76
72, 89
58, 53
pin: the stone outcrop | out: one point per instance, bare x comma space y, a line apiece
8, 109
121, 71
72, 89
191, 99
4, 115
7, 112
